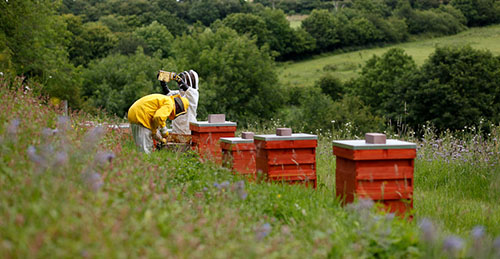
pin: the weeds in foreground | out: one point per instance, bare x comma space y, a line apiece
75, 189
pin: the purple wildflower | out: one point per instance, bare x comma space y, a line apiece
478, 232
103, 158
361, 205
13, 127
93, 180
453, 244
262, 231
37, 159
63, 123
61, 159
496, 245
428, 230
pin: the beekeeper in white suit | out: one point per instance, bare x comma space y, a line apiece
188, 88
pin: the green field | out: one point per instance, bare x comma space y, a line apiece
348, 65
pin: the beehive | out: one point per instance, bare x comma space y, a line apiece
238, 154
205, 138
381, 172
290, 159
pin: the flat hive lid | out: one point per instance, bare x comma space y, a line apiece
361, 144
207, 124
236, 140
295, 136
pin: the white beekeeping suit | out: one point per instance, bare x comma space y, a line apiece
190, 91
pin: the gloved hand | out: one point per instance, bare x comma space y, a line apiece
182, 85
164, 87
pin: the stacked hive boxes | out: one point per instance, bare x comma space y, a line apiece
238, 154
287, 157
377, 169
205, 135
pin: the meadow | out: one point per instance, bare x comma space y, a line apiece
69, 189
348, 65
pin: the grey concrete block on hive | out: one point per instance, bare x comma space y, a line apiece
284, 131
216, 118
247, 135
375, 138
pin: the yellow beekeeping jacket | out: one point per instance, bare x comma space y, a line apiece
151, 111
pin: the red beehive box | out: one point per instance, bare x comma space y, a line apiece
238, 154
381, 172
291, 159
205, 137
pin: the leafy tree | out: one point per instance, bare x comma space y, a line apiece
237, 78
479, 12
323, 27
281, 34
33, 43
331, 86
95, 41
456, 87
156, 37
441, 21
374, 7
382, 83
117, 81
248, 23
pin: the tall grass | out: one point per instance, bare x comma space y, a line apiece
71, 190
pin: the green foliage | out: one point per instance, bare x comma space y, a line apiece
95, 41
249, 23
117, 81
455, 88
272, 28
479, 12
383, 82
440, 21
237, 78
33, 42
314, 111
156, 37
374, 7
322, 26
331, 86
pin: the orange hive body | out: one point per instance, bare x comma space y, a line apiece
238, 154
205, 138
291, 159
381, 172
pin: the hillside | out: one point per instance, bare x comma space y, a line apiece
348, 65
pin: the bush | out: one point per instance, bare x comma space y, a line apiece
331, 86
382, 83
324, 28
479, 12
456, 87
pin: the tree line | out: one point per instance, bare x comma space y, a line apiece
105, 53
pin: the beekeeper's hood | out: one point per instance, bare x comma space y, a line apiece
181, 106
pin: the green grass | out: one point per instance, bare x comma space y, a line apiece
101, 198
348, 65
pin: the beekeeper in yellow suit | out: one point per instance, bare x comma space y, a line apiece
149, 114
